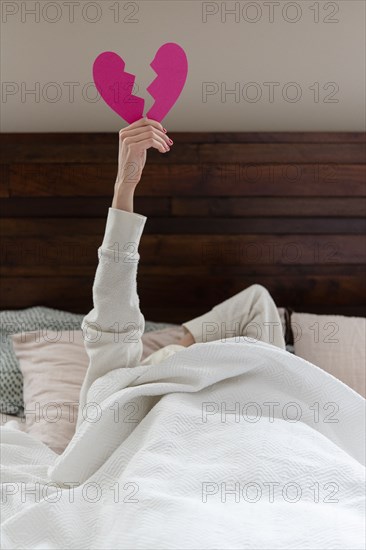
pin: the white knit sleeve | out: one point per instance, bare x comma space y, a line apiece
112, 330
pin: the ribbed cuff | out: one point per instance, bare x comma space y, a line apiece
205, 328
122, 227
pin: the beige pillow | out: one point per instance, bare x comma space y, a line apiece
53, 365
334, 343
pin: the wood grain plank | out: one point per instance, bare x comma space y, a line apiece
50, 228
69, 148
189, 226
204, 179
269, 207
73, 269
4, 181
234, 250
243, 225
338, 291
280, 152
103, 148
81, 207
14, 146
62, 180
204, 250
73, 292
65, 293
97, 207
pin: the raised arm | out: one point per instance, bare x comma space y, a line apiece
114, 327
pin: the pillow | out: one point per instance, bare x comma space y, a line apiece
334, 343
15, 321
32, 319
53, 365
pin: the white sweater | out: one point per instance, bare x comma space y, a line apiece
114, 327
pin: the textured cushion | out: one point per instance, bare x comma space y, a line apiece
15, 321
32, 319
334, 343
53, 368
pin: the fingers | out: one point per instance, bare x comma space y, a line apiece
142, 130
146, 140
154, 136
141, 126
145, 122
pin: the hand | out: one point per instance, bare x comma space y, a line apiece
134, 140
187, 338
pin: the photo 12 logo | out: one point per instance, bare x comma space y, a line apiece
269, 91
270, 491
270, 12
69, 12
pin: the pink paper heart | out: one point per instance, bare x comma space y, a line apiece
171, 65
115, 85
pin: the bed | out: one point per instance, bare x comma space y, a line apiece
283, 210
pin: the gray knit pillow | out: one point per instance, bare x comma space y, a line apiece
23, 320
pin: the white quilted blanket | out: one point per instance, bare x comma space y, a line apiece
226, 445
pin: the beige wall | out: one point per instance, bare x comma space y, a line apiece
38, 52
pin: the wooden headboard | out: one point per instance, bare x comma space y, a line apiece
225, 210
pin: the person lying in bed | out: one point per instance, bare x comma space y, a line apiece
188, 430
251, 313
